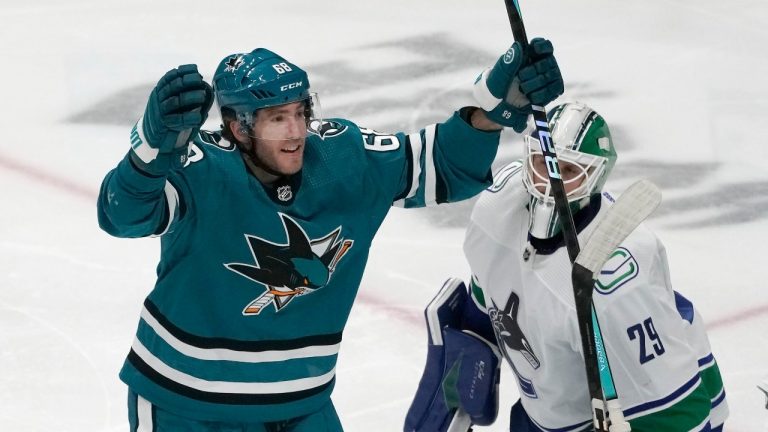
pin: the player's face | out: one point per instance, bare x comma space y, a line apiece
572, 174
280, 133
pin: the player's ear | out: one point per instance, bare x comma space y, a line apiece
238, 131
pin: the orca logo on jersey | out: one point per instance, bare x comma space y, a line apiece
508, 330
620, 268
300, 266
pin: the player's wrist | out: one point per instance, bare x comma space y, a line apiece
479, 120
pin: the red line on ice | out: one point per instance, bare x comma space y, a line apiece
738, 317
47, 178
400, 313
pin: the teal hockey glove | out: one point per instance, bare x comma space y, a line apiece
177, 108
507, 90
541, 81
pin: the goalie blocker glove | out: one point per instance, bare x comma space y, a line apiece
507, 90
459, 386
177, 108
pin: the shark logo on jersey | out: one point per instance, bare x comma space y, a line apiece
300, 266
620, 268
326, 128
508, 330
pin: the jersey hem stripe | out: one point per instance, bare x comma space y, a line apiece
575, 427
330, 340
228, 386
660, 404
220, 397
235, 355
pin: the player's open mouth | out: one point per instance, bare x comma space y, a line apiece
291, 149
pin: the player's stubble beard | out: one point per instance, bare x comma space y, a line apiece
255, 162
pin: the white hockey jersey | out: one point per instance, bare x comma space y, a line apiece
663, 370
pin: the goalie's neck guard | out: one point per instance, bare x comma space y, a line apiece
581, 219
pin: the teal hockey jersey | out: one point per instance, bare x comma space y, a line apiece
255, 283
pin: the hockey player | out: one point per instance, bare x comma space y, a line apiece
265, 229
520, 304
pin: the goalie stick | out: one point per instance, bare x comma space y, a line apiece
546, 143
585, 312
632, 207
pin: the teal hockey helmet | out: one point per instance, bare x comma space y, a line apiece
247, 82
586, 156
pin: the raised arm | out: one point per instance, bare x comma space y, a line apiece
136, 198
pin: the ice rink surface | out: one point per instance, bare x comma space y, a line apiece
681, 82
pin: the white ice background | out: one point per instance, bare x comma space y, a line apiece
681, 82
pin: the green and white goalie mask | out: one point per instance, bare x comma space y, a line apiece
262, 82
585, 156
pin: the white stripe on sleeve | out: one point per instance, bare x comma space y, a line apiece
172, 198
430, 183
415, 146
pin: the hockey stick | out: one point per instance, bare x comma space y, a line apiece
547, 146
589, 328
582, 297
634, 206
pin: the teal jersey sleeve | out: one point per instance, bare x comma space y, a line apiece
132, 203
443, 162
